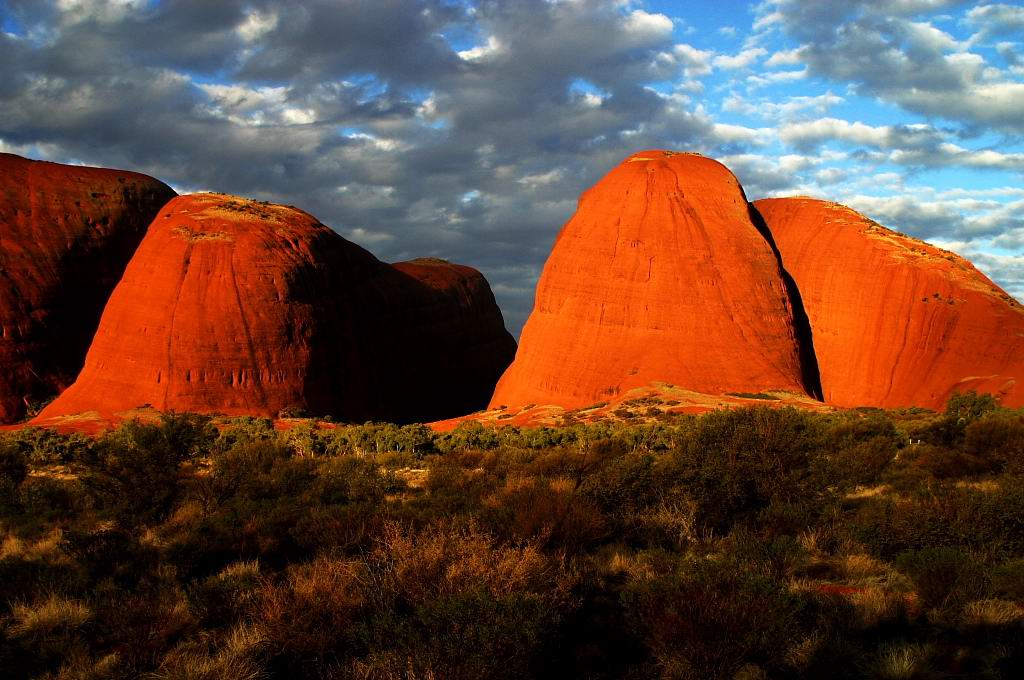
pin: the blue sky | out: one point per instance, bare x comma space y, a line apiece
466, 130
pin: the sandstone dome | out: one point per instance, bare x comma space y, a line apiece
66, 234
895, 321
248, 308
661, 275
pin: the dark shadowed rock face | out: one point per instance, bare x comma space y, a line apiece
661, 275
248, 308
895, 321
66, 235
458, 339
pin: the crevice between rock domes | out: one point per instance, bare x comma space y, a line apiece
810, 373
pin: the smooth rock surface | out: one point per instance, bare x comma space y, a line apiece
661, 275
249, 308
895, 321
66, 234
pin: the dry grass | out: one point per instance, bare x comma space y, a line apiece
984, 485
47, 547
237, 657
636, 567
876, 606
79, 666
676, 520
311, 611
862, 492
452, 560
992, 613
56, 615
194, 235
900, 662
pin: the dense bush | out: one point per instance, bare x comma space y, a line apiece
753, 543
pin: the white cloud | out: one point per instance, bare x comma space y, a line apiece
828, 129
647, 26
774, 77
256, 25
741, 60
542, 179
784, 58
695, 62
481, 51
739, 133
105, 11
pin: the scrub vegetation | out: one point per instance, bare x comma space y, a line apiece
750, 543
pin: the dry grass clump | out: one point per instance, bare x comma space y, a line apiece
992, 613
78, 665
550, 512
900, 662
56, 615
237, 657
447, 560
874, 607
861, 567
312, 611
46, 547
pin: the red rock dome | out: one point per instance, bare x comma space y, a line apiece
895, 321
66, 235
661, 275
248, 308
454, 338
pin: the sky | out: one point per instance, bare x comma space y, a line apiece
466, 129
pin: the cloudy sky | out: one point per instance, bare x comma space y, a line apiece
465, 129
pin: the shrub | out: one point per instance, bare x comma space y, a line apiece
1008, 580
135, 477
860, 463
550, 512
13, 471
969, 406
44, 446
961, 410
992, 613
49, 497
471, 601
944, 463
944, 577
737, 462
312, 614
707, 619
226, 594
998, 437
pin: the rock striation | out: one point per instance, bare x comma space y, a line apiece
249, 308
896, 321
66, 235
661, 275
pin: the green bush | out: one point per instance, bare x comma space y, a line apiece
13, 471
998, 438
749, 543
738, 462
943, 577
708, 619
135, 476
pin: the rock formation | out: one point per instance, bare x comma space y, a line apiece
895, 321
66, 235
661, 275
457, 340
247, 308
